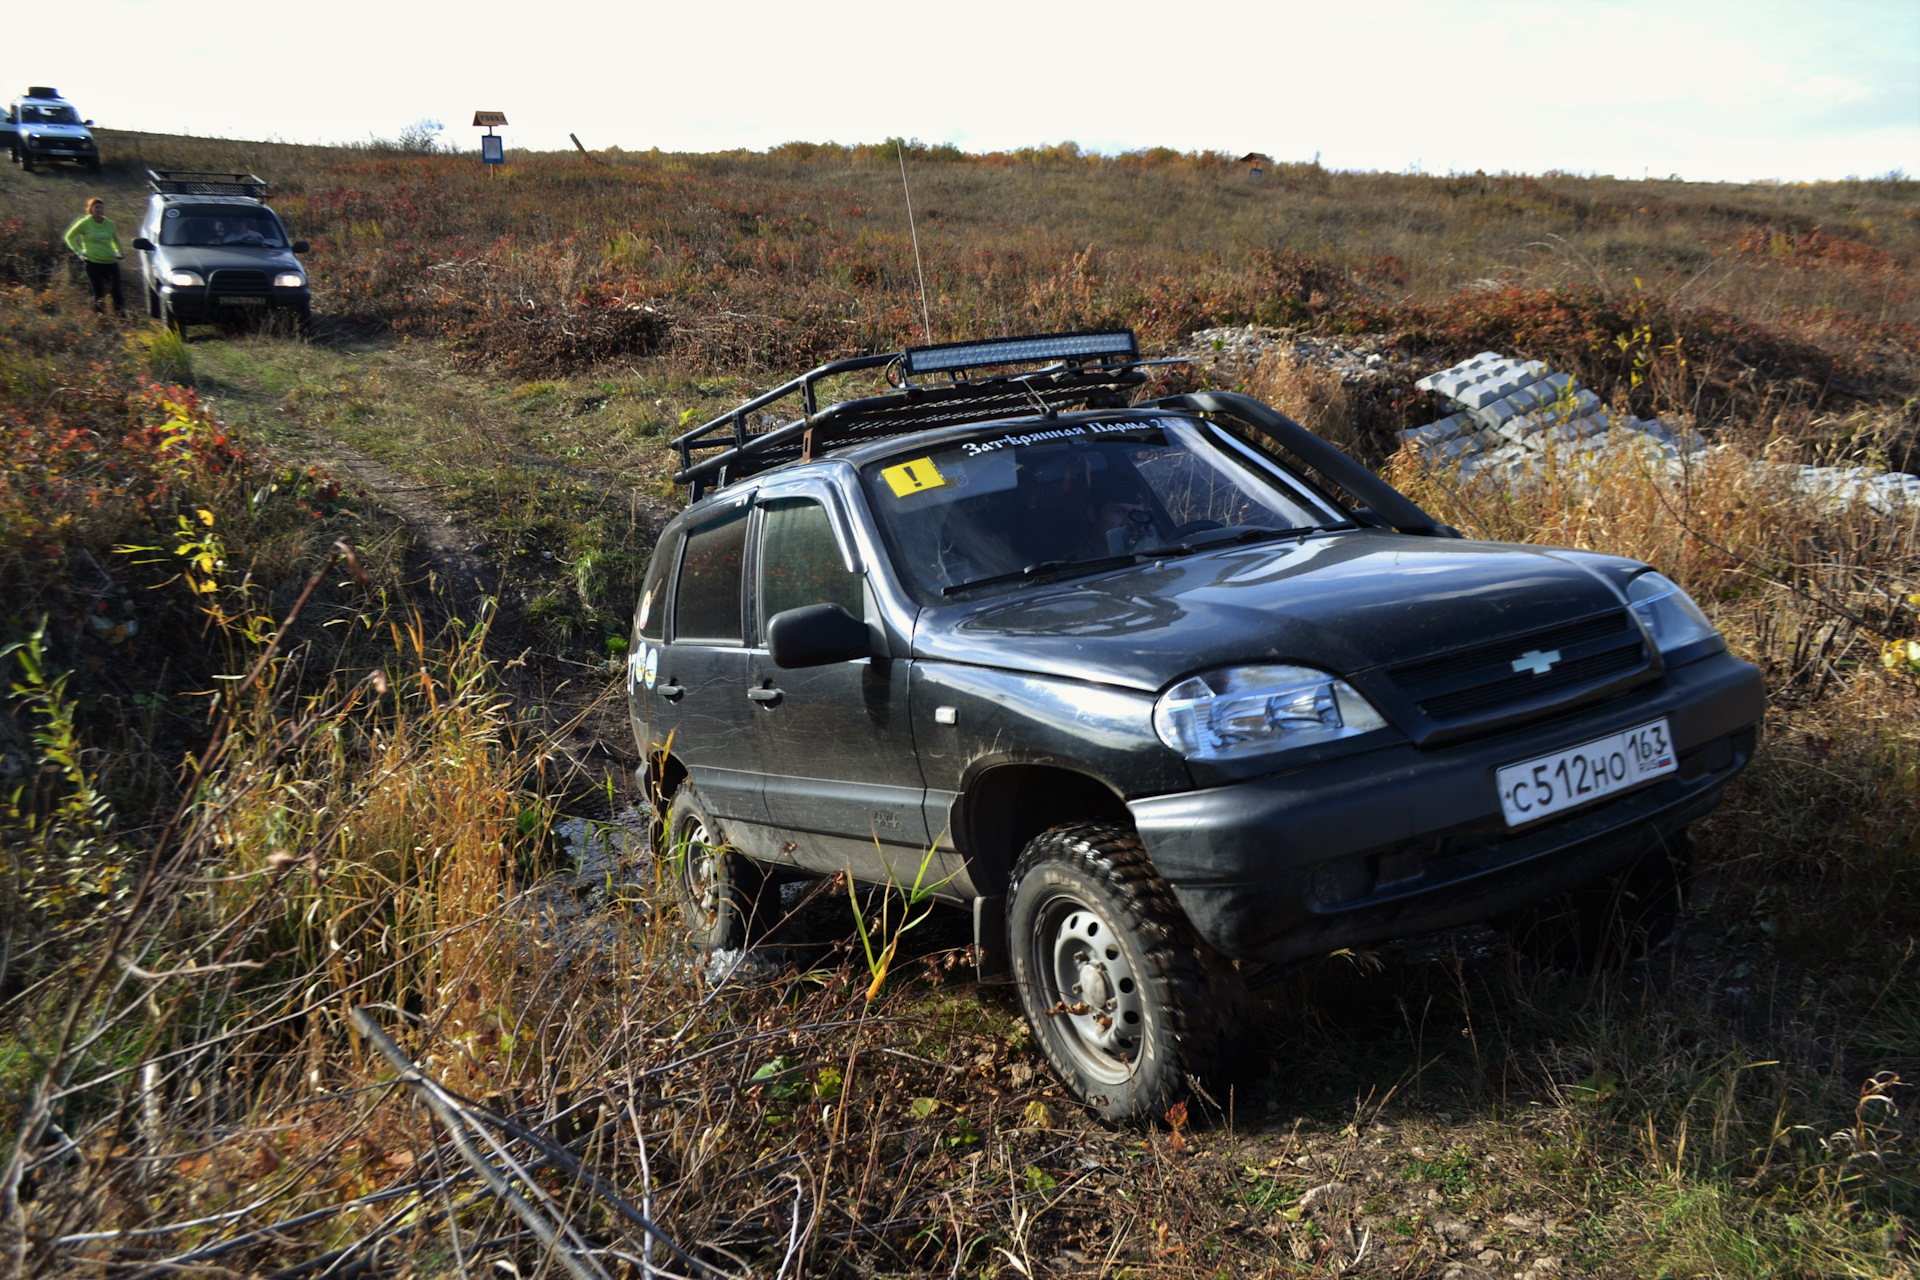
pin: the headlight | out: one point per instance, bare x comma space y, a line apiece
289, 280
1672, 618
184, 279
1246, 711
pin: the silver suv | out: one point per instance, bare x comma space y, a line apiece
43, 127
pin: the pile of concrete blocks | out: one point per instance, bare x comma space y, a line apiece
1514, 420
1888, 492
1513, 416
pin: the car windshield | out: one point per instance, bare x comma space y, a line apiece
215, 225
48, 115
1018, 505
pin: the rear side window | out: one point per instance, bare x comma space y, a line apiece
800, 562
706, 606
651, 613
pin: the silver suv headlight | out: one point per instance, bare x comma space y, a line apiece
1672, 618
184, 279
1247, 711
289, 280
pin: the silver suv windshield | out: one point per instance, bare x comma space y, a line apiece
30, 114
1019, 505
208, 225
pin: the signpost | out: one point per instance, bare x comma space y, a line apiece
493, 148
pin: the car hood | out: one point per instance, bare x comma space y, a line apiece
56, 130
1343, 603
204, 258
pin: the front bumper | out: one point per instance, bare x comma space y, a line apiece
51, 149
1403, 841
194, 303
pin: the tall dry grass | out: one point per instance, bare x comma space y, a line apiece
1792, 300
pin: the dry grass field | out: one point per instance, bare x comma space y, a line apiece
306, 650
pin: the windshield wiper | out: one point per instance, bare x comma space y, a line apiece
1044, 567
1238, 538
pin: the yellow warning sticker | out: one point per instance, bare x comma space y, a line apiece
913, 477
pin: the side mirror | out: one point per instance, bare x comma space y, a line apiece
143, 244
89, 124
301, 246
815, 636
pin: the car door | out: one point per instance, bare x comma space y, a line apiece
697, 689
842, 786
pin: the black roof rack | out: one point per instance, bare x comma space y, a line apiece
190, 182
1091, 369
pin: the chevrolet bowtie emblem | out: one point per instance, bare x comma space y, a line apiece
1537, 662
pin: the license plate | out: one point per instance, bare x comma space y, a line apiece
1566, 779
240, 302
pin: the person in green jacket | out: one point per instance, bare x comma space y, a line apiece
94, 237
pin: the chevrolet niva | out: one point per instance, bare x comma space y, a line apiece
1174, 691
213, 252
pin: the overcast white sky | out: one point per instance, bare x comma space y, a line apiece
1701, 88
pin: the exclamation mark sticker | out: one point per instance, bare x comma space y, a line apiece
916, 476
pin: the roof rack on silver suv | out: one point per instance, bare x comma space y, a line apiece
1093, 369
193, 182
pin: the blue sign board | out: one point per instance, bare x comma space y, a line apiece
492, 149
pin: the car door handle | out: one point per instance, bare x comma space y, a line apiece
671, 692
766, 696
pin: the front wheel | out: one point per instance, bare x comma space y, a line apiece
26, 160
1121, 995
719, 890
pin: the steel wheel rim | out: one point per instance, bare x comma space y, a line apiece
700, 872
1091, 993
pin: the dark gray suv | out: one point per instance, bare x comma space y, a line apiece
1170, 693
213, 252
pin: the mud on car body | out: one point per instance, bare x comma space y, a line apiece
1174, 691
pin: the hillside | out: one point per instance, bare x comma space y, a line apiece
312, 650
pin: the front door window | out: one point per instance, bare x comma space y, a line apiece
800, 562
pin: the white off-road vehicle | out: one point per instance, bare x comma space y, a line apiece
42, 127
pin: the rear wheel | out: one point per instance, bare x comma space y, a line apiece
1121, 995
719, 890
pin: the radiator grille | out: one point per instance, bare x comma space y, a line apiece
1483, 681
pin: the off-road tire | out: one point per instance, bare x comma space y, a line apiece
169, 318
93, 164
26, 160
1084, 885
153, 303
1612, 920
720, 891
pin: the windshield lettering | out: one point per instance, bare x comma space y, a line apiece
975, 448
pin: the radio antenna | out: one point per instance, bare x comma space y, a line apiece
926, 324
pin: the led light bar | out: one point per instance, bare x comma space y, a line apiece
1056, 346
